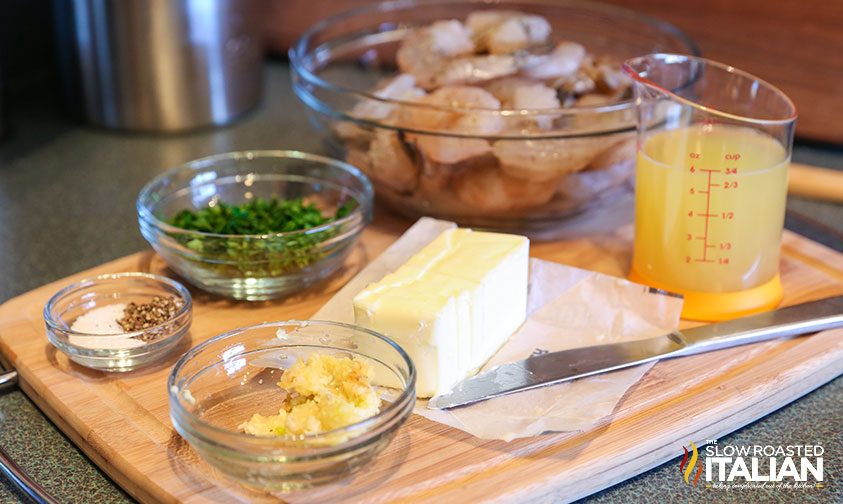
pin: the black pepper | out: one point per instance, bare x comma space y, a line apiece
138, 317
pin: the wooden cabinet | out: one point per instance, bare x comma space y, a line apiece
795, 44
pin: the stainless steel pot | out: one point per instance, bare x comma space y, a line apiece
160, 65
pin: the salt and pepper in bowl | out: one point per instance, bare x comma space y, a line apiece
119, 322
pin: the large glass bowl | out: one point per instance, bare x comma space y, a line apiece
526, 179
221, 383
256, 267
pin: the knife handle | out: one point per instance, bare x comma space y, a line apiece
791, 321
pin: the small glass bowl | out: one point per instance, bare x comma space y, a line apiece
88, 349
255, 267
221, 383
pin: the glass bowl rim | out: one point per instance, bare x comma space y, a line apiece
355, 216
182, 291
298, 52
394, 407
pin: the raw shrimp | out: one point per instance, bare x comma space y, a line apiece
621, 152
401, 87
541, 160
518, 93
606, 73
445, 149
563, 61
611, 79
435, 177
354, 135
438, 145
521, 93
504, 89
595, 100
504, 32
475, 69
611, 168
487, 188
391, 163
424, 51
575, 85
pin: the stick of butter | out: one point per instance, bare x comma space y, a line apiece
452, 305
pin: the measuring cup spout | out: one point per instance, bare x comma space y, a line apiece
711, 88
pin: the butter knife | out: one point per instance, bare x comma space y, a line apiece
557, 367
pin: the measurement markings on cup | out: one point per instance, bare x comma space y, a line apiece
710, 186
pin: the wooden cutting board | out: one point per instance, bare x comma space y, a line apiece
121, 420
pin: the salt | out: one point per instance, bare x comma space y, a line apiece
102, 321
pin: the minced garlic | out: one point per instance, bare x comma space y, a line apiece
321, 393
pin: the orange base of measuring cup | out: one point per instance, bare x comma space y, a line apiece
717, 306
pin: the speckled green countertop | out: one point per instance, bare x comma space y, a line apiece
67, 203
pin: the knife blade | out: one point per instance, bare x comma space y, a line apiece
565, 365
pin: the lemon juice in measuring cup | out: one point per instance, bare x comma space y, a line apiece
711, 184
693, 208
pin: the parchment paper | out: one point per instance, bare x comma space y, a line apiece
566, 308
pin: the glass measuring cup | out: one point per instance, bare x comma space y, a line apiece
714, 146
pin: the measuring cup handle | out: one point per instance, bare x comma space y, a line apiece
791, 321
